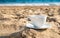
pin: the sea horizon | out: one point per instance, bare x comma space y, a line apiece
29, 2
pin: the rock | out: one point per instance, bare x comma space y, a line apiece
50, 14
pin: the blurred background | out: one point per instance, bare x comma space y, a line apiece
28, 1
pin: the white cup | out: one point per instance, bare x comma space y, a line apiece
37, 20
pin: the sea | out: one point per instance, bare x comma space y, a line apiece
29, 2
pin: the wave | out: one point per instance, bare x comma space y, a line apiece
31, 4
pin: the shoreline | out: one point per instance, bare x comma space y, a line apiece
31, 4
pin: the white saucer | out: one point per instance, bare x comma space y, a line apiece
45, 26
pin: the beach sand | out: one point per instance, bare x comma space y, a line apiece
14, 18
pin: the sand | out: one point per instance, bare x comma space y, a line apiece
14, 18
